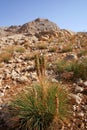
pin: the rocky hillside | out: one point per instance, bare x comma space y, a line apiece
18, 47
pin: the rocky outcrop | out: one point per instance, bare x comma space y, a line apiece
38, 25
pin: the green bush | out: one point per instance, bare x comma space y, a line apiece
79, 68
61, 66
34, 111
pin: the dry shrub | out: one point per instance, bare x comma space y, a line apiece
5, 57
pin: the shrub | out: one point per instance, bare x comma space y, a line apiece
5, 57
53, 49
10, 49
67, 48
82, 53
30, 56
61, 66
79, 68
20, 49
32, 111
41, 45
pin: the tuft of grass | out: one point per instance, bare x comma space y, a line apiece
5, 57
20, 49
10, 49
53, 49
31, 111
61, 66
79, 68
41, 45
67, 48
82, 53
31, 56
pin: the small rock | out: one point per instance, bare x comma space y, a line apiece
80, 82
74, 107
71, 57
81, 114
1, 94
14, 74
7, 87
33, 76
75, 98
22, 79
85, 83
18, 60
54, 80
30, 68
79, 89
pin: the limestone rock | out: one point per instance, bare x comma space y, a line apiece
22, 79
85, 83
79, 89
38, 25
71, 57
75, 98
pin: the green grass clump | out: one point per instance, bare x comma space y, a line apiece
34, 111
79, 68
61, 66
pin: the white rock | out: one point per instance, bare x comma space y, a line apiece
22, 79
54, 80
85, 83
80, 81
33, 76
74, 107
7, 87
14, 74
1, 94
75, 98
78, 89
81, 114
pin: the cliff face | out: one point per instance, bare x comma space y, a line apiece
18, 47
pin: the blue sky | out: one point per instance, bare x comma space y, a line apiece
67, 14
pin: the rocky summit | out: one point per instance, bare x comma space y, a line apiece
61, 48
